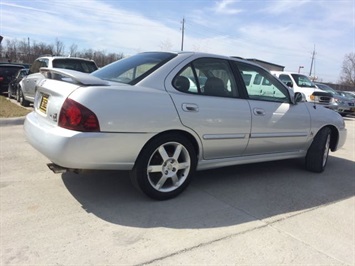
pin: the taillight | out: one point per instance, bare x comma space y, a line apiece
77, 117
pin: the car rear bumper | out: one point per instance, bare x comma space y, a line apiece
82, 151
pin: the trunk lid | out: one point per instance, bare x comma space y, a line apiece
58, 84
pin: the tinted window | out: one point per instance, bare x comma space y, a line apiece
207, 76
264, 87
7, 74
133, 69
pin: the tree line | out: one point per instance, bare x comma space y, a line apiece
24, 52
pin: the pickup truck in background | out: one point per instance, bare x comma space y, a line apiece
301, 83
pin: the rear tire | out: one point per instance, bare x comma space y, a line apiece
9, 92
318, 152
18, 95
164, 167
23, 101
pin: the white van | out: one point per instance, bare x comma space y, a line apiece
301, 83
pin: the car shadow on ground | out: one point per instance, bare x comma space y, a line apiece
216, 198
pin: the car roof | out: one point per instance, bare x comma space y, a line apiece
11, 65
64, 57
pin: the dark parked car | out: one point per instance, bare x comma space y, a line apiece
7, 74
13, 90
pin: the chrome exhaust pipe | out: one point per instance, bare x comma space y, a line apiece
57, 169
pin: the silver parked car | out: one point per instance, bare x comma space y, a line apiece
345, 105
27, 86
164, 115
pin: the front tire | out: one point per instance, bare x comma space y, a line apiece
318, 152
164, 167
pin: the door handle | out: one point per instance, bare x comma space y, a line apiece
190, 107
259, 111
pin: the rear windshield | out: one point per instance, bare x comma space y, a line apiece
9, 72
133, 69
75, 64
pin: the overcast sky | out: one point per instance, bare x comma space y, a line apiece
283, 32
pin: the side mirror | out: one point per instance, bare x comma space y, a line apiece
289, 84
299, 97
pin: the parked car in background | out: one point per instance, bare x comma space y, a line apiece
351, 92
345, 105
301, 83
13, 89
7, 74
28, 84
143, 114
348, 94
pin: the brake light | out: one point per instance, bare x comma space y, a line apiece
1, 78
77, 117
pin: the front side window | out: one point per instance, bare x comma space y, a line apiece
263, 86
286, 79
133, 69
207, 76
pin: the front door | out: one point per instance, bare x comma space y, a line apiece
278, 126
206, 97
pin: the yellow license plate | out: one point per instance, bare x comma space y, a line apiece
44, 103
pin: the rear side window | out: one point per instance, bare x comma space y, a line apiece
135, 68
207, 76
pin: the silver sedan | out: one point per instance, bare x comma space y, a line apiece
164, 115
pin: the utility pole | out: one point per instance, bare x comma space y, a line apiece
29, 50
313, 58
182, 35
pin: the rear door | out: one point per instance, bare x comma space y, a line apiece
207, 99
277, 125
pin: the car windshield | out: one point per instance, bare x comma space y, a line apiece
303, 81
133, 69
327, 88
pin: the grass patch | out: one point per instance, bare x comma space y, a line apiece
10, 109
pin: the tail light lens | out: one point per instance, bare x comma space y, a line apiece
77, 117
